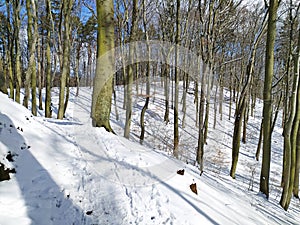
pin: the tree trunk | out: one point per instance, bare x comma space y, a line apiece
230, 94
145, 107
290, 135
276, 112
129, 77
3, 87
30, 43
67, 6
77, 69
48, 111
259, 142
176, 100
9, 53
245, 120
207, 108
236, 140
166, 72
102, 91
185, 90
196, 101
267, 96
215, 105
40, 75
17, 25
67, 92
89, 66
200, 146
221, 94
297, 170
31, 70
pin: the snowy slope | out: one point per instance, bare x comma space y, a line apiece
71, 173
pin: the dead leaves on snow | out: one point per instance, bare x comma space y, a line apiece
193, 186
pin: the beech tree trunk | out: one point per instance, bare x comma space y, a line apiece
102, 91
67, 6
145, 107
267, 96
176, 97
17, 25
48, 111
130, 71
290, 135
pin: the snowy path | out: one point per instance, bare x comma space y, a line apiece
131, 171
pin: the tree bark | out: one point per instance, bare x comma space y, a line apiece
259, 142
9, 52
48, 111
267, 96
290, 135
102, 91
67, 6
145, 107
166, 72
130, 71
40, 71
17, 25
297, 170
176, 97
3, 87
31, 70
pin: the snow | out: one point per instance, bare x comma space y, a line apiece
69, 172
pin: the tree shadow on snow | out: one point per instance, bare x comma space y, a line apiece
46, 202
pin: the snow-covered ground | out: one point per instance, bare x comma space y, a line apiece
71, 173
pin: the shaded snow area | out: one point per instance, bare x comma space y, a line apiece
68, 172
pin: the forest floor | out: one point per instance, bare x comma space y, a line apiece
68, 172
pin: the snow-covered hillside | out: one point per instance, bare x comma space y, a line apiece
68, 172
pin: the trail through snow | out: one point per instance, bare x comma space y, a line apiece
69, 172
